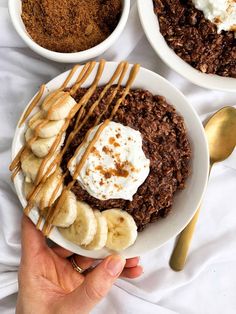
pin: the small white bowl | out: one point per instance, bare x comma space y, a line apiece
151, 28
15, 10
186, 202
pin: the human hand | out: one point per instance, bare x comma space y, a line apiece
49, 284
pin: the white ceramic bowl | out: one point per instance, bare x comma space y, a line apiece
151, 28
15, 10
186, 201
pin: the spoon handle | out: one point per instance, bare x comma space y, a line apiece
180, 252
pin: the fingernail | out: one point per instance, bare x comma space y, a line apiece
115, 265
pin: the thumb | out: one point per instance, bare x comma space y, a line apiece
32, 240
96, 284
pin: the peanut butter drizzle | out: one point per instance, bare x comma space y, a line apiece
40, 126
16, 160
28, 208
96, 103
83, 70
92, 89
69, 77
53, 196
33, 104
132, 76
14, 173
31, 198
50, 153
39, 222
36, 131
52, 214
84, 75
113, 95
81, 114
78, 148
52, 94
57, 104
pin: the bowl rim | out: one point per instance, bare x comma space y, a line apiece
168, 56
68, 57
19, 132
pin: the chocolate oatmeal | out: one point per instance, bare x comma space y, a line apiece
165, 143
70, 25
195, 39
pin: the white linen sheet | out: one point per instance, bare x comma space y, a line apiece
207, 285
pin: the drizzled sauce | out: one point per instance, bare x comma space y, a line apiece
79, 108
69, 77
33, 104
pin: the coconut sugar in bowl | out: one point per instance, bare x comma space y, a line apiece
69, 31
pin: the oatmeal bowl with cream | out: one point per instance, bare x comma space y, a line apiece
109, 157
196, 38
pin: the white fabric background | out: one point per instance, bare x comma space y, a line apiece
208, 283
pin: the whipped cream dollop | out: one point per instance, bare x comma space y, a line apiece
116, 165
220, 12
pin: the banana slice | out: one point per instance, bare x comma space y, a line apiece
51, 128
42, 146
29, 134
58, 105
100, 238
67, 212
37, 117
122, 230
30, 165
28, 188
43, 197
83, 230
48, 189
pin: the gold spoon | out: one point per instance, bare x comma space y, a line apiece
221, 136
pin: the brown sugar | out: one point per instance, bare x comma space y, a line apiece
70, 25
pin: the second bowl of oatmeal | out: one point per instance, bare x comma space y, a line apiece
135, 143
69, 31
189, 43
